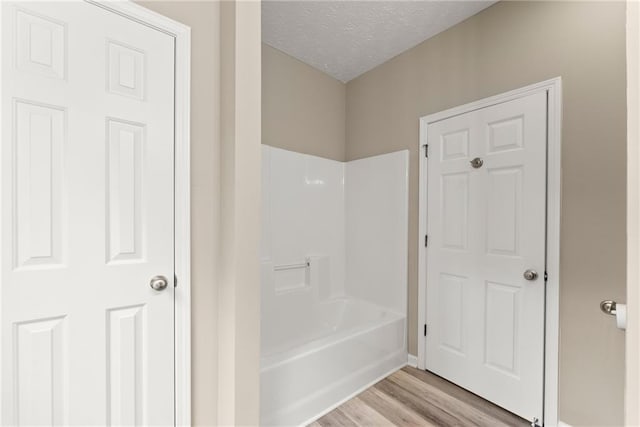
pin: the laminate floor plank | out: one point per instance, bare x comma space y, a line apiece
467, 415
427, 410
411, 397
336, 418
393, 410
467, 398
364, 415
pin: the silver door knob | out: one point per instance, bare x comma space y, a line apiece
530, 275
476, 163
158, 283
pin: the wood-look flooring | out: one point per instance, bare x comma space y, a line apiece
411, 397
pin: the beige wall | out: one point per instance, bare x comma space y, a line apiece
507, 46
239, 279
225, 207
510, 45
303, 108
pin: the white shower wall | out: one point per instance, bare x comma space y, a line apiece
303, 216
349, 219
376, 229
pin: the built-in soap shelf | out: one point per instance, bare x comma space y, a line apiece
311, 274
292, 277
283, 267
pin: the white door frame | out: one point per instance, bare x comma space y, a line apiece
182, 209
632, 359
553, 88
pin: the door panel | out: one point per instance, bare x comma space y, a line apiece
126, 355
504, 211
41, 377
502, 327
87, 217
451, 291
39, 137
124, 190
455, 210
486, 226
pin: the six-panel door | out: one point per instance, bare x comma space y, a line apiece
87, 217
486, 227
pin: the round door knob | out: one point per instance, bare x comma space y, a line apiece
158, 283
476, 163
530, 275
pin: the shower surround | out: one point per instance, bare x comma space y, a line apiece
334, 279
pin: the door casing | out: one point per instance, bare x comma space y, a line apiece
632, 356
553, 88
182, 227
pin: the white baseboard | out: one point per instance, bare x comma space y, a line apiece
561, 424
413, 362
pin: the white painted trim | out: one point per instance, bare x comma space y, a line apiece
182, 207
554, 205
561, 424
412, 360
632, 347
3, 58
553, 88
422, 251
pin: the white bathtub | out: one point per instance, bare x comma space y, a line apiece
312, 362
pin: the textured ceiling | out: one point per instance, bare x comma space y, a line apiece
349, 37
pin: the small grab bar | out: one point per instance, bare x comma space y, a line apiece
290, 266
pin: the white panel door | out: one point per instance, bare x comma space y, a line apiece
486, 227
87, 217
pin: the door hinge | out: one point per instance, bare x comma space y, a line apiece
426, 150
546, 276
426, 240
175, 281
425, 329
